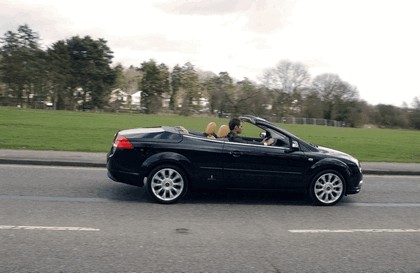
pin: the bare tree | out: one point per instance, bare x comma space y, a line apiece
414, 115
132, 78
287, 76
289, 80
336, 95
416, 103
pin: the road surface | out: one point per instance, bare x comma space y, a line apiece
70, 219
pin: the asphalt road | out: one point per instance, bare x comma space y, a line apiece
70, 219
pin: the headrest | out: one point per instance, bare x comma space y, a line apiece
223, 131
211, 128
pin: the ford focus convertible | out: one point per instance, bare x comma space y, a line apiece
170, 161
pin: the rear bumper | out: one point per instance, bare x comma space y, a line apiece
134, 179
124, 170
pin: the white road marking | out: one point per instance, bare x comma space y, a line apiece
51, 228
374, 230
394, 205
52, 198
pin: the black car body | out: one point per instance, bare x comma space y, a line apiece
170, 161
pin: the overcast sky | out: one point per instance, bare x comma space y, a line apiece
371, 44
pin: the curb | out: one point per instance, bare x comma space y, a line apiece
389, 172
52, 163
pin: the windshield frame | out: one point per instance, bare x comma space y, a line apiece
263, 124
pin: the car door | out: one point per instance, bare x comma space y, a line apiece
262, 167
204, 154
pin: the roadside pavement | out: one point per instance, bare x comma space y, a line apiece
86, 159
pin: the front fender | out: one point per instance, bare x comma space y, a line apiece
328, 164
167, 158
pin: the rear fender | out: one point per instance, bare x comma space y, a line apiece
167, 158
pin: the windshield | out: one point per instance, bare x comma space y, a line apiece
271, 129
260, 132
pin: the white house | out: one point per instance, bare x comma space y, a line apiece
125, 99
136, 98
118, 95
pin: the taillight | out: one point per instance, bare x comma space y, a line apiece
121, 142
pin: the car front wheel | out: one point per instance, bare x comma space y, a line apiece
167, 184
327, 188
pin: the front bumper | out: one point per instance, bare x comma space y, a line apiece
355, 190
355, 184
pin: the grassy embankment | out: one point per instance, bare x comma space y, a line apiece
93, 132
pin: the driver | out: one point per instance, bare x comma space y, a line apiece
235, 126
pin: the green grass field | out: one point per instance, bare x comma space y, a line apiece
93, 132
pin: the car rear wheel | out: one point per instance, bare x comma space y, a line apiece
327, 188
167, 184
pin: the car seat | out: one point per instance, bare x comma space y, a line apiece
210, 129
223, 131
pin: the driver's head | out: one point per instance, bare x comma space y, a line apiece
235, 125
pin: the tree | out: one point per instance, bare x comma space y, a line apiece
165, 80
59, 75
282, 103
191, 86
12, 65
336, 95
127, 79
220, 90
28, 38
289, 80
176, 83
23, 63
312, 105
35, 64
416, 103
119, 77
390, 116
414, 116
90, 69
247, 98
209, 86
154, 83
290, 77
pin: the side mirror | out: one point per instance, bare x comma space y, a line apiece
295, 145
263, 134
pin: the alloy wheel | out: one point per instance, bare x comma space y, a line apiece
328, 188
167, 185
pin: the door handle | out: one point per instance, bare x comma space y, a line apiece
236, 153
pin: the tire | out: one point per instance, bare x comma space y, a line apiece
327, 188
167, 184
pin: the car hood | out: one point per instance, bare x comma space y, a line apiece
336, 153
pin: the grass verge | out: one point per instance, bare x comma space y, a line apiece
93, 132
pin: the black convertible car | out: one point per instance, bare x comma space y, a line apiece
169, 161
